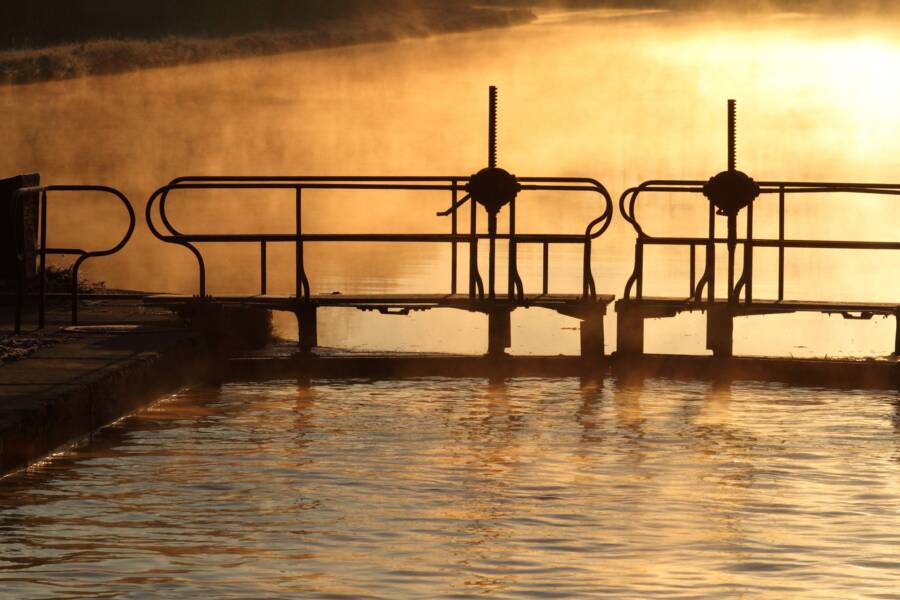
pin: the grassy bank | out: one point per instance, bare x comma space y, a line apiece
52, 39
48, 39
58, 39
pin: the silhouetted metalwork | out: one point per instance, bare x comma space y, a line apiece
731, 190
492, 188
474, 299
729, 193
43, 249
18, 237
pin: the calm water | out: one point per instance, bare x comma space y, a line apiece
455, 488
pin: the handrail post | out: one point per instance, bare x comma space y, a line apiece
546, 269
732, 248
453, 230
492, 254
748, 257
262, 268
75, 289
639, 268
711, 255
586, 289
781, 243
473, 247
511, 251
693, 275
298, 246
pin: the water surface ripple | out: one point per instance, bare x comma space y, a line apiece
539, 488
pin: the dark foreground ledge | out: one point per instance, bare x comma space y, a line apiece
862, 374
75, 380
63, 393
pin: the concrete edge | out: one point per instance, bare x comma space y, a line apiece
67, 414
841, 374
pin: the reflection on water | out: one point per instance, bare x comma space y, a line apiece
454, 488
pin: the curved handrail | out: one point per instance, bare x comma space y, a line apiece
627, 207
168, 233
766, 187
82, 254
592, 231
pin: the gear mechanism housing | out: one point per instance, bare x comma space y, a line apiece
493, 188
730, 191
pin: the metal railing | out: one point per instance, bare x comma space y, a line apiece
740, 290
454, 186
44, 249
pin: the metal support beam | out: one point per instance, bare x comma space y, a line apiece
630, 331
499, 331
592, 336
720, 330
309, 328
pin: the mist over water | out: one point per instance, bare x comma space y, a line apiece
618, 97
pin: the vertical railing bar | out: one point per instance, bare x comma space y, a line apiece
511, 251
453, 231
748, 257
473, 247
732, 247
693, 272
711, 255
75, 290
586, 284
42, 281
781, 245
492, 256
301, 287
639, 259
546, 273
262, 268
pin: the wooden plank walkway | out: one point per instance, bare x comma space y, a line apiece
575, 305
671, 305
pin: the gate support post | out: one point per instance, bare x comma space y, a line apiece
499, 331
18, 237
720, 331
897, 333
629, 330
592, 337
309, 329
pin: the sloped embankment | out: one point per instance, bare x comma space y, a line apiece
117, 46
